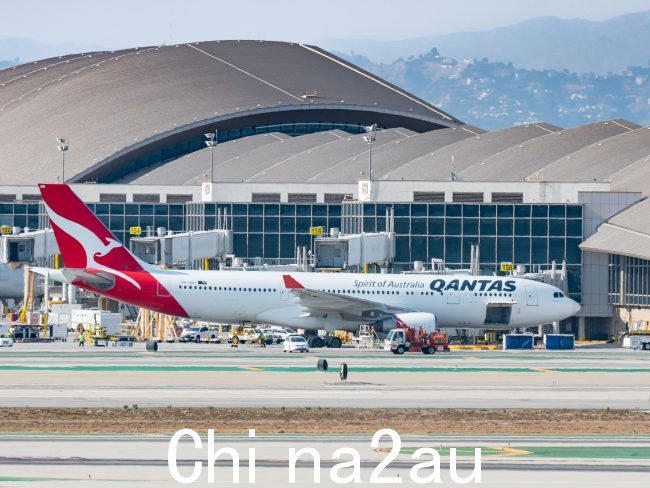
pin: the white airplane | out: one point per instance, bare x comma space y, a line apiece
96, 261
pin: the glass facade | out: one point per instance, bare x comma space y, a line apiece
532, 235
20, 214
629, 281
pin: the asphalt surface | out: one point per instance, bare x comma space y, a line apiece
64, 375
135, 461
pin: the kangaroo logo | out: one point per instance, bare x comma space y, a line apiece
92, 245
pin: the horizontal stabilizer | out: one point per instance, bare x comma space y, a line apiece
51, 273
98, 280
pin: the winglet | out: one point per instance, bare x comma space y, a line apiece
291, 283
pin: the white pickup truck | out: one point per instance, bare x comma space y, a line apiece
199, 333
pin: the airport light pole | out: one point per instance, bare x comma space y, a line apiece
211, 143
370, 137
62, 147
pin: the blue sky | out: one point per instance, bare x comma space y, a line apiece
121, 23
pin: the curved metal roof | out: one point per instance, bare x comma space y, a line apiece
401, 154
139, 115
634, 177
387, 160
190, 169
635, 218
116, 106
259, 160
436, 165
332, 162
600, 160
521, 161
626, 233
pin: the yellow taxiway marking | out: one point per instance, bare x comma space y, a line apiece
251, 368
486, 451
508, 451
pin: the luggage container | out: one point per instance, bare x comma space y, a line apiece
518, 341
559, 341
637, 341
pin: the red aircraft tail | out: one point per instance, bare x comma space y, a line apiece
96, 260
83, 240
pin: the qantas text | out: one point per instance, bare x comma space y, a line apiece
441, 285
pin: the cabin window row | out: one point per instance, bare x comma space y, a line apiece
227, 288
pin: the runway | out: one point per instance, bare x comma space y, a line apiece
98, 461
188, 375
63, 375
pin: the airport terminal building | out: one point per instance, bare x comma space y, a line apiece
292, 153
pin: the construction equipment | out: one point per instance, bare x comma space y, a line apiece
28, 299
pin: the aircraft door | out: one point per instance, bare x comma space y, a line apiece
161, 291
531, 296
453, 297
284, 295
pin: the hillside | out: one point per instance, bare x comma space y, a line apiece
541, 43
495, 95
25, 50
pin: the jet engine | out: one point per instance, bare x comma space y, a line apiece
417, 320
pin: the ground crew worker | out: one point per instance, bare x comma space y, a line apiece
235, 341
82, 340
262, 340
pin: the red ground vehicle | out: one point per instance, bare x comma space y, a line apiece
404, 338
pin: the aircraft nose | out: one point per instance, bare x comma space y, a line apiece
573, 306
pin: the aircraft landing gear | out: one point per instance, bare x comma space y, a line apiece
316, 341
333, 342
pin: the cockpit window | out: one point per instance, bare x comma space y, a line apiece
558, 294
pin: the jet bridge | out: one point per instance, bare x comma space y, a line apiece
18, 252
188, 250
36, 247
342, 252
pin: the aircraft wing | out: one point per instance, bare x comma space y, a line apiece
322, 302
